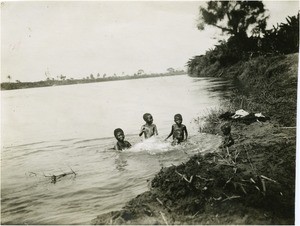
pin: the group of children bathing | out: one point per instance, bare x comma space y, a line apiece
178, 131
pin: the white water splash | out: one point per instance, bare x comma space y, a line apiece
152, 145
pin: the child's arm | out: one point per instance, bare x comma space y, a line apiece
186, 132
142, 131
155, 130
128, 144
172, 130
116, 147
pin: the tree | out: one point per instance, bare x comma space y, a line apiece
171, 70
140, 72
284, 38
9, 78
62, 77
233, 17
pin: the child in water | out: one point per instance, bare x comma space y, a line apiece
149, 129
121, 144
227, 140
178, 130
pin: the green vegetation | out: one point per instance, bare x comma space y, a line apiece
239, 16
267, 85
282, 39
90, 79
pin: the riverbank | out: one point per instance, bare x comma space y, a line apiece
255, 182
52, 82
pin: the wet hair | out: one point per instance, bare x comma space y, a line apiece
178, 115
145, 116
226, 128
117, 131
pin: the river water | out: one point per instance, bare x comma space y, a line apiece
56, 130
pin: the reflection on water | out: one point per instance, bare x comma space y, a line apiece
53, 130
121, 162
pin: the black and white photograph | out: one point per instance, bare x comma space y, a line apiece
149, 112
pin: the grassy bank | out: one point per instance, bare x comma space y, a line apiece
267, 85
255, 182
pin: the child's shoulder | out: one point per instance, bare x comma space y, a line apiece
152, 125
127, 144
176, 126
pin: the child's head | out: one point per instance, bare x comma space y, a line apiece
119, 134
178, 119
226, 128
148, 118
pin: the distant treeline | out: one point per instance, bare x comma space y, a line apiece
280, 40
63, 81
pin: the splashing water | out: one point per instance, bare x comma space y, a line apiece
152, 145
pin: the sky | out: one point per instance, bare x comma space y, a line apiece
79, 38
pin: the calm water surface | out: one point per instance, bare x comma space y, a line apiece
54, 130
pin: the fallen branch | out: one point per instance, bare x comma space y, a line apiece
263, 185
232, 197
163, 217
195, 214
161, 203
242, 187
54, 177
236, 154
184, 177
226, 161
267, 178
228, 181
294, 127
250, 161
203, 178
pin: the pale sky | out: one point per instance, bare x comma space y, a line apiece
77, 38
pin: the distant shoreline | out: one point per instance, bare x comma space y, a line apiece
49, 82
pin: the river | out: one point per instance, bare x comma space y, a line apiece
56, 130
